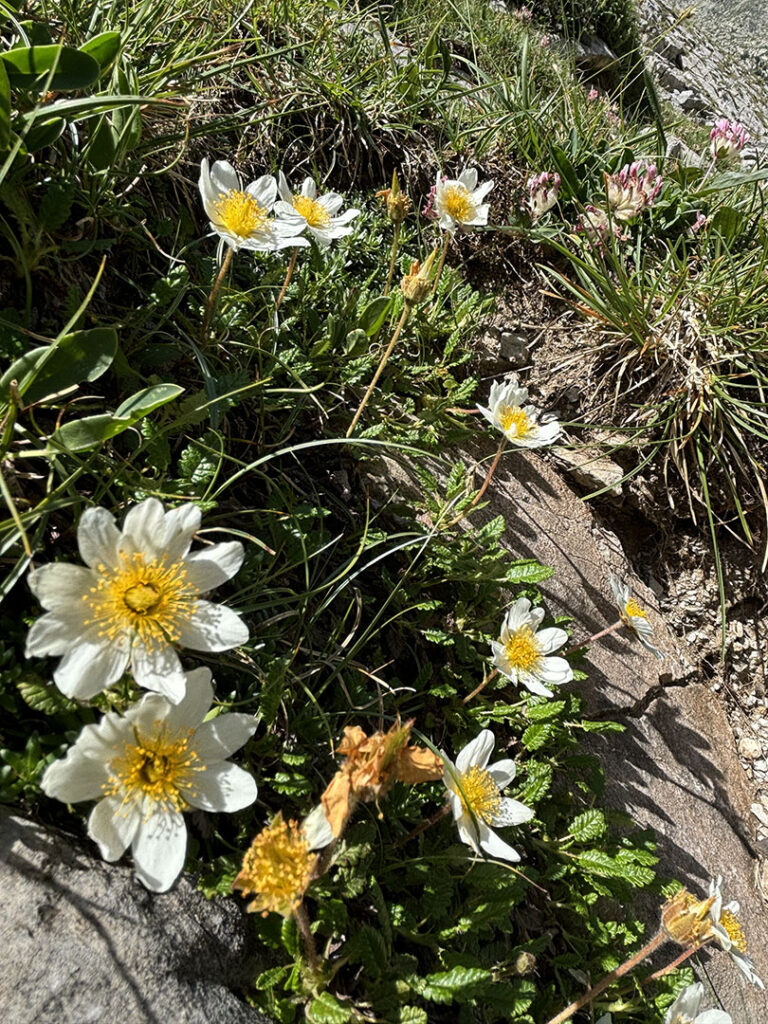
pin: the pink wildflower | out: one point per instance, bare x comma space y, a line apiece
632, 190
592, 95
542, 193
727, 138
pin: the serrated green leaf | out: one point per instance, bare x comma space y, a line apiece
44, 697
536, 735
457, 984
327, 1009
587, 826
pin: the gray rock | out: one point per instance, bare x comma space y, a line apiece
591, 470
675, 767
84, 943
593, 54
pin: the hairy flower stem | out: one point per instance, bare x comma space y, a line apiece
479, 688
301, 918
288, 276
393, 258
484, 487
215, 294
437, 816
671, 966
592, 993
380, 368
441, 264
595, 636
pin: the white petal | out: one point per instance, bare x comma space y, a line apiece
688, 1002
550, 639
284, 189
143, 528
52, 634
332, 202
91, 666
98, 538
75, 778
713, 1017
479, 194
346, 217
317, 828
309, 188
213, 566
264, 191
159, 669
214, 627
159, 849
468, 178
518, 615
495, 846
476, 752
179, 527
221, 736
467, 835
149, 715
222, 787
503, 772
530, 682
61, 587
554, 671
512, 812
224, 178
196, 702
113, 825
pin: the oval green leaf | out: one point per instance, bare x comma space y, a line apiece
103, 48
31, 65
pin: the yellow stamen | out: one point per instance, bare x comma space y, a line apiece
513, 416
479, 794
521, 649
733, 927
458, 204
632, 608
314, 213
151, 600
160, 768
240, 214
277, 868
685, 918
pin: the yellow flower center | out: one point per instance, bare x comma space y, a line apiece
277, 868
732, 926
314, 213
240, 214
632, 608
513, 416
479, 794
149, 599
458, 204
521, 649
158, 768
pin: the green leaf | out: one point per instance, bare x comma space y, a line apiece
5, 109
374, 314
411, 1015
103, 48
83, 355
447, 986
589, 825
327, 1009
535, 736
31, 65
91, 431
44, 133
102, 146
44, 697
368, 947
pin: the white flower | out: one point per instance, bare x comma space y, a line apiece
459, 202
727, 932
241, 217
135, 598
474, 791
685, 1009
146, 768
521, 652
320, 215
633, 615
520, 422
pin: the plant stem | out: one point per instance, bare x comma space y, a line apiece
592, 993
437, 816
288, 276
308, 940
595, 636
215, 294
379, 369
393, 258
482, 686
671, 966
441, 264
484, 487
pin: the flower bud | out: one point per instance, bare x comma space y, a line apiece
417, 284
397, 202
525, 963
685, 919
